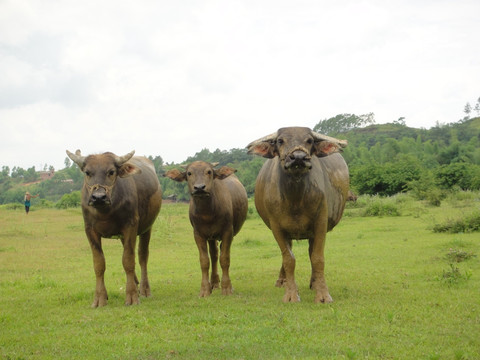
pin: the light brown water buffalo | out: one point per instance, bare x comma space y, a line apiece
218, 209
300, 193
121, 196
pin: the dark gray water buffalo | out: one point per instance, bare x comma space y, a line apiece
121, 196
300, 193
218, 209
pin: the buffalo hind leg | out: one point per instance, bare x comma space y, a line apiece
143, 260
282, 279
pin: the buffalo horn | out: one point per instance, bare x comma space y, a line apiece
77, 158
321, 137
120, 160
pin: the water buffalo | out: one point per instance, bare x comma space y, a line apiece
300, 193
121, 196
218, 209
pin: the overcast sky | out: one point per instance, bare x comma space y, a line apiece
170, 78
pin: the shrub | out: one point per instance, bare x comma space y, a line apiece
456, 255
13, 206
454, 276
381, 208
468, 224
69, 200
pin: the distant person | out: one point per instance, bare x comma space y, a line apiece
27, 199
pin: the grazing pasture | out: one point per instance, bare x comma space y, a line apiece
400, 290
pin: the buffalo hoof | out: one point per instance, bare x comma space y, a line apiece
99, 303
323, 298
227, 291
215, 281
205, 292
291, 297
145, 290
132, 299
100, 300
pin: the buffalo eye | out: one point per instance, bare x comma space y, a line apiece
310, 141
111, 173
189, 173
280, 141
88, 173
209, 172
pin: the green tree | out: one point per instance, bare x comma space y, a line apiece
467, 110
343, 122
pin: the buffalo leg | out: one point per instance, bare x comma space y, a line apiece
128, 261
143, 260
214, 278
288, 265
205, 287
136, 279
282, 279
95, 241
317, 259
227, 288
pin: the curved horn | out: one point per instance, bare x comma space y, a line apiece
321, 137
77, 158
120, 160
268, 138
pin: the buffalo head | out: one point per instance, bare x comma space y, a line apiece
295, 147
101, 173
199, 176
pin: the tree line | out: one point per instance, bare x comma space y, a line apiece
384, 159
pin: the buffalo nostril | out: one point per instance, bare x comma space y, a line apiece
199, 187
298, 155
99, 197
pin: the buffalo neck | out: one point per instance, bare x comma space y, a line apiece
294, 188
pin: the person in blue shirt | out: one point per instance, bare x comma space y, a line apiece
27, 199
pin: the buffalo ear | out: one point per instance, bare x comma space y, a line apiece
265, 146
265, 149
176, 175
325, 148
224, 172
127, 170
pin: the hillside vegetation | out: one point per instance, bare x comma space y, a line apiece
384, 159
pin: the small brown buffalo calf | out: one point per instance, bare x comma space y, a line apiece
218, 209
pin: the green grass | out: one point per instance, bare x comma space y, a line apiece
397, 293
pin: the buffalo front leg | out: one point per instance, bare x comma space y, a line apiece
95, 241
205, 287
143, 260
288, 265
317, 259
281, 275
214, 278
227, 239
128, 261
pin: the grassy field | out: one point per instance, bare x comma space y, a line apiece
400, 291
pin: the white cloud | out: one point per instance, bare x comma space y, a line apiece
171, 78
